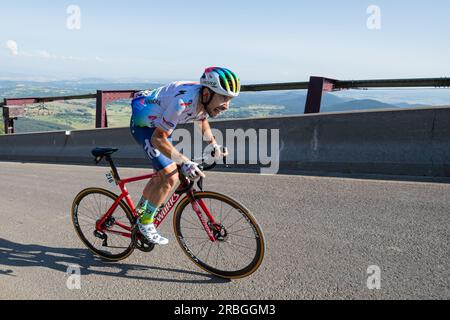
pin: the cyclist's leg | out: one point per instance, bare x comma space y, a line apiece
158, 188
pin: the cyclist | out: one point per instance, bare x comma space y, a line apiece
156, 113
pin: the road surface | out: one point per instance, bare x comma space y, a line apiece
322, 235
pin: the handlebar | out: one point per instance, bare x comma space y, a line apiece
187, 184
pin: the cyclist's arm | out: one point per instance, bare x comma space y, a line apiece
205, 129
220, 151
160, 141
165, 127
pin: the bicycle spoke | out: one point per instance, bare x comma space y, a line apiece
238, 253
94, 214
227, 215
194, 224
210, 247
93, 206
231, 260
94, 211
217, 255
195, 218
87, 219
242, 253
101, 205
236, 221
240, 236
240, 246
201, 249
96, 202
234, 231
87, 225
193, 228
203, 238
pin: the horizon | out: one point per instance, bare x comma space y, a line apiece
412, 96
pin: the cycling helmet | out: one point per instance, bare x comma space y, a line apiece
221, 81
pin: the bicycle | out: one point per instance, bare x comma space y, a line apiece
230, 248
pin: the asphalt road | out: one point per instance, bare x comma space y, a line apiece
322, 234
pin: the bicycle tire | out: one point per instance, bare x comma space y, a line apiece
246, 270
76, 223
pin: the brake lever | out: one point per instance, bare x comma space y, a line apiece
200, 184
225, 162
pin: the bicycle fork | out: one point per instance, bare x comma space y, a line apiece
196, 205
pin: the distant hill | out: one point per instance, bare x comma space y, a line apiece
17, 89
80, 114
25, 125
293, 101
363, 104
411, 105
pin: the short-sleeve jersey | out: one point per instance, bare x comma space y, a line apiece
167, 106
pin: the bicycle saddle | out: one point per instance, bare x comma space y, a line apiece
101, 152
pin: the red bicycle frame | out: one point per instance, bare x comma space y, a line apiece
162, 214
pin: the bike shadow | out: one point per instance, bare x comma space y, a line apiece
30, 255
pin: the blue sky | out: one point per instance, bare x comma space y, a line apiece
263, 41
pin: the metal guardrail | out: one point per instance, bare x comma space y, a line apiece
276, 86
316, 86
394, 83
355, 84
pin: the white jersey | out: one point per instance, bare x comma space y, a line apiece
167, 106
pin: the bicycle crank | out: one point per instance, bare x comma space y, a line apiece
140, 242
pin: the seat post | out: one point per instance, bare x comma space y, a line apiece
113, 167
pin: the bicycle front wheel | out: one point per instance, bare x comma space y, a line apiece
238, 249
113, 241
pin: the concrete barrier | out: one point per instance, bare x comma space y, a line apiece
401, 142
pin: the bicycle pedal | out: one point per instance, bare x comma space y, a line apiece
140, 242
100, 235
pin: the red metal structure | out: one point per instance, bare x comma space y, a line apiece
14, 108
11, 113
103, 98
317, 86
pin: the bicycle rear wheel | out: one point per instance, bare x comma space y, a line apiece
111, 242
239, 247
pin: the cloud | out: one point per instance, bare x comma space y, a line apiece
47, 55
13, 48
44, 54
